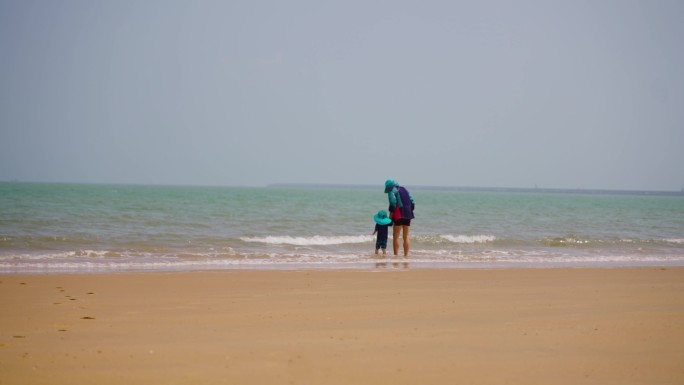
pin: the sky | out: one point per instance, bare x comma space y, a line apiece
494, 93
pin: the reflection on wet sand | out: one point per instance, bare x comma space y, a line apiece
384, 263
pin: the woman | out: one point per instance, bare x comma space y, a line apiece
401, 208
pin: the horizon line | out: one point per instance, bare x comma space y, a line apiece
535, 189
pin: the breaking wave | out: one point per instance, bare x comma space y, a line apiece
316, 240
468, 239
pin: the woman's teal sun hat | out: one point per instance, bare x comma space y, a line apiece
381, 218
389, 185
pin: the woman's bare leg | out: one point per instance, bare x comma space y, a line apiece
407, 243
395, 239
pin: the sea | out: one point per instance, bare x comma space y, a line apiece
96, 228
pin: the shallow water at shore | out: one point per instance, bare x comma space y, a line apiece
84, 228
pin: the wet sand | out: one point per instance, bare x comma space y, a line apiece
528, 326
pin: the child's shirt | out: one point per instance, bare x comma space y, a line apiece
382, 231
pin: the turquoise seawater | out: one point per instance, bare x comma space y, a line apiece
92, 228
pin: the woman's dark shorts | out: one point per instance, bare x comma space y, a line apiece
403, 222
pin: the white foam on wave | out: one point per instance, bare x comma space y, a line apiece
316, 240
447, 258
469, 238
675, 240
57, 255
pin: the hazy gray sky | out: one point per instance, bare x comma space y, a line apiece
567, 94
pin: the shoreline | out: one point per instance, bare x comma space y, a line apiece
519, 326
370, 264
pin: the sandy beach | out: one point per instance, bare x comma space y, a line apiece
528, 326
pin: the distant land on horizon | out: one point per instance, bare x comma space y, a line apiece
540, 190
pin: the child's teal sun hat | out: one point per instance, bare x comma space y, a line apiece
381, 218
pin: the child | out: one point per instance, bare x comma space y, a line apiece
381, 224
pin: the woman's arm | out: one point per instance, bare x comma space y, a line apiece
392, 199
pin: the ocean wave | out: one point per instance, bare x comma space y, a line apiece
569, 241
316, 240
578, 241
500, 259
468, 239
